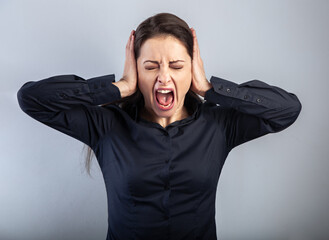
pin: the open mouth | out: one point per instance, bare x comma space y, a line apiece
164, 98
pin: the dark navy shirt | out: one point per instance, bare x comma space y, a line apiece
161, 182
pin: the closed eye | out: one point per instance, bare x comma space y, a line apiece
156, 67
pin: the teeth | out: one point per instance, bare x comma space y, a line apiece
164, 91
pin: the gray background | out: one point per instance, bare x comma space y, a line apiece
274, 187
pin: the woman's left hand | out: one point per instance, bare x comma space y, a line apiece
200, 84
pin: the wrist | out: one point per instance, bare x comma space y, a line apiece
204, 89
125, 91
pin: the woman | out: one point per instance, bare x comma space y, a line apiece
160, 147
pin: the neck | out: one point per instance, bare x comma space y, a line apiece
180, 114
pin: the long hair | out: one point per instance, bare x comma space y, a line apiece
161, 24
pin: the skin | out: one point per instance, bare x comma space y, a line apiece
172, 69
163, 73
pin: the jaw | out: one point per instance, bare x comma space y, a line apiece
155, 112
175, 112
164, 118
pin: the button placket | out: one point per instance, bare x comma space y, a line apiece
166, 180
168, 135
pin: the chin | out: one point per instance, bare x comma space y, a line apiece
166, 114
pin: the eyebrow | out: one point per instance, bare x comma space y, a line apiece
158, 62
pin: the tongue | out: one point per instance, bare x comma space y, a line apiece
164, 98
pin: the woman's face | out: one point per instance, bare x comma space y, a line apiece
164, 75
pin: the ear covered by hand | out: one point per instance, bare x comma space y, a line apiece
128, 82
199, 84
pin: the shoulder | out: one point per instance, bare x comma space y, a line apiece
102, 113
113, 109
122, 115
214, 112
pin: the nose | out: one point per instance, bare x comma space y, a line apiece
164, 76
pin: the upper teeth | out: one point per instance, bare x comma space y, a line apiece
164, 91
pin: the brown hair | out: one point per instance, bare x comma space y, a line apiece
161, 24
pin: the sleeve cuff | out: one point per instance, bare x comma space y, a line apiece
102, 90
220, 90
228, 94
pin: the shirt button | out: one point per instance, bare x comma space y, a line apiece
173, 131
63, 95
228, 90
258, 100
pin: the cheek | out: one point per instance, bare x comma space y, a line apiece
186, 84
145, 86
183, 86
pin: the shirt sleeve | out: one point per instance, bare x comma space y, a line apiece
71, 104
252, 109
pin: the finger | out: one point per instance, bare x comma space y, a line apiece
128, 46
132, 43
129, 40
132, 39
195, 43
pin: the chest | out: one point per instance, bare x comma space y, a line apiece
143, 159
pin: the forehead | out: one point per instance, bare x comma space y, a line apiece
163, 47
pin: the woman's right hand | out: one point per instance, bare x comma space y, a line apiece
128, 83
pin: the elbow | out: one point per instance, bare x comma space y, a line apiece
289, 114
20, 97
298, 107
23, 98
295, 108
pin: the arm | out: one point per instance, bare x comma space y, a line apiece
248, 110
252, 109
69, 104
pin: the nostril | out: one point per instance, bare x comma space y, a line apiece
164, 79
